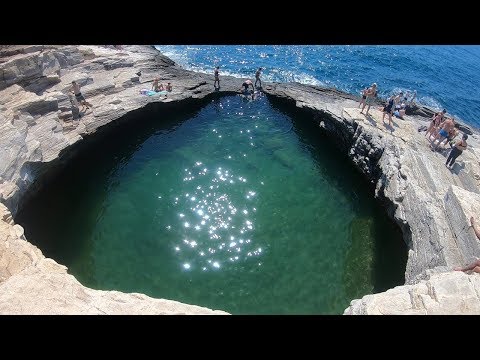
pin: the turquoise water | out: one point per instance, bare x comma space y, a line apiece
236, 206
444, 76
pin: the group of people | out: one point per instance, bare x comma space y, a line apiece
442, 130
396, 104
245, 84
80, 99
157, 86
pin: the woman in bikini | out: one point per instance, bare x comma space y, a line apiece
435, 123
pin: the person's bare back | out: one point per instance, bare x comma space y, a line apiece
448, 125
75, 88
79, 97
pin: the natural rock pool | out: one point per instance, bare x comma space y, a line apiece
236, 206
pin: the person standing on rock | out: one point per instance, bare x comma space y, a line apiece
257, 77
445, 129
364, 97
388, 109
371, 93
456, 151
79, 97
217, 79
437, 119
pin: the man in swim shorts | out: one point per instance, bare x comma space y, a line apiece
79, 97
371, 93
446, 128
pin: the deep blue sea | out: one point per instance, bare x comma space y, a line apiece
446, 76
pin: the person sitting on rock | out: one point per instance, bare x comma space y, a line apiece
399, 113
156, 86
79, 97
169, 87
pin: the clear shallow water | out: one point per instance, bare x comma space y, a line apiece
235, 207
446, 76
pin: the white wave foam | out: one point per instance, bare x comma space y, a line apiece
430, 103
176, 55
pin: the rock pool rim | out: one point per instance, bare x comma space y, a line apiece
157, 125
344, 130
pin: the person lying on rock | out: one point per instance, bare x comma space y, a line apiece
79, 97
475, 266
475, 226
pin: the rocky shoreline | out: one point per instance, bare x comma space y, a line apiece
431, 204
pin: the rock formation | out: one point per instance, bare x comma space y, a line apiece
40, 128
430, 203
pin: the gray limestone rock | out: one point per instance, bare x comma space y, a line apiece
430, 203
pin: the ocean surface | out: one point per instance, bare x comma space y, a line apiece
446, 76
